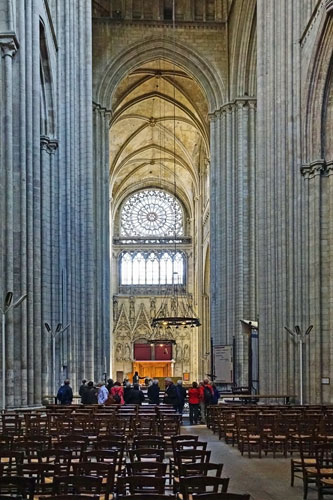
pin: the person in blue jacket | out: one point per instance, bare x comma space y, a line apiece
65, 393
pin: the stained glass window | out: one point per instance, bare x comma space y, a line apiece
152, 268
151, 212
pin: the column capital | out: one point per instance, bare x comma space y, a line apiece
212, 116
313, 169
9, 44
240, 102
48, 145
329, 168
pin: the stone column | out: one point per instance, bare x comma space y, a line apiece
101, 120
48, 148
233, 240
280, 193
9, 46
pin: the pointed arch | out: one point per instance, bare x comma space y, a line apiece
169, 50
318, 94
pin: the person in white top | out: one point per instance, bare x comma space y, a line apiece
103, 393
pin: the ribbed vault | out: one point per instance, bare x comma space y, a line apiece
159, 131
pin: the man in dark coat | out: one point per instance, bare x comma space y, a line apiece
90, 396
171, 396
154, 393
65, 393
181, 392
135, 396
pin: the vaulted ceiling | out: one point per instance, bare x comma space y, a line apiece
159, 132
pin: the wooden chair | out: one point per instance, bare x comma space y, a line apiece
323, 467
193, 469
9, 461
76, 446
186, 456
150, 496
250, 439
111, 445
17, 485
73, 497
11, 424
141, 484
98, 469
276, 439
146, 454
109, 456
77, 485
157, 469
306, 459
152, 442
194, 485
53, 456
183, 437
223, 496
43, 473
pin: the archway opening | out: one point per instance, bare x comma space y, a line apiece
159, 187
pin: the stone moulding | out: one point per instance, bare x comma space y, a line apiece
9, 44
313, 169
238, 102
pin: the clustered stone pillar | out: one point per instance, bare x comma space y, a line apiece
233, 199
51, 228
8, 47
101, 125
283, 217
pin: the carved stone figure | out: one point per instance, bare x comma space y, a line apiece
132, 310
119, 352
152, 307
179, 352
127, 352
186, 352
115, 309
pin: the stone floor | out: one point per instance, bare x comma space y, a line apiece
264, 478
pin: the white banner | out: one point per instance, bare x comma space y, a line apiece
223, 364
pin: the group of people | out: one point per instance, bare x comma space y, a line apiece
199, 395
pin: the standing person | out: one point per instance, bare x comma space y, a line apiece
109, 385
171, 396
206, 396
194, 400
216, 395
65, 393
127, 390
90, 397
103, 393
136, 396
83, 390
181, 393
117, 392
136, 378
154, 393
82, 386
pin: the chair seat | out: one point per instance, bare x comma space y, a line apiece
313, 471
327, 481
308, 461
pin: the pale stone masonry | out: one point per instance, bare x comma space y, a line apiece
48, 223
90, 91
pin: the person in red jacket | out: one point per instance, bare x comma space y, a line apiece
117, 392
194, 400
